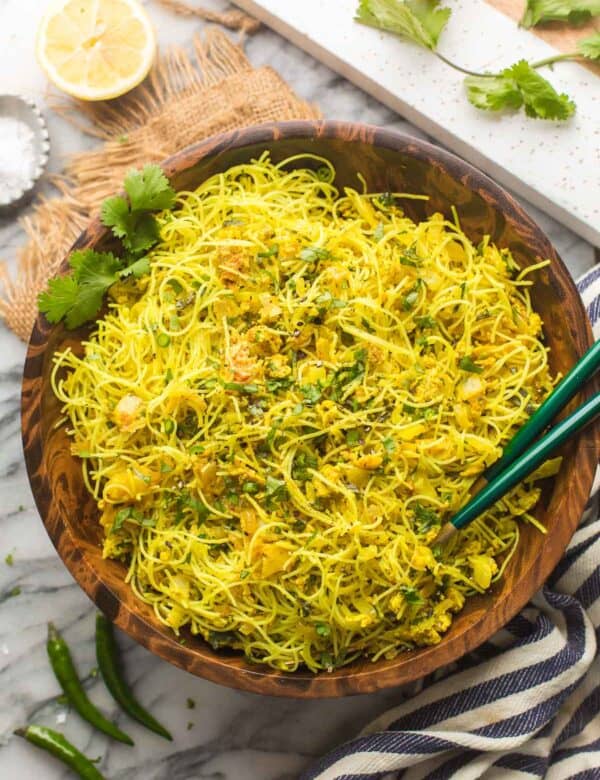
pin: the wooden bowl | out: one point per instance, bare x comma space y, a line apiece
389, 162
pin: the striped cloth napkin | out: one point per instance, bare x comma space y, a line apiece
526, 704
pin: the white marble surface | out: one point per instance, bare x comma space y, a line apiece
228, 735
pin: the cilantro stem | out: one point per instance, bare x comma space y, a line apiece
573, 55
466, 71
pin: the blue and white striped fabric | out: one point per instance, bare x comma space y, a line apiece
526, 704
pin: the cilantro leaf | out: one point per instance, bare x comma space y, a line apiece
97, 269
590, 47
94, 275
137, 230
519, 85
421, 21
541, 100
59, 298
493, 93
574, 12
77, 297
137, 268
115, 214
144, 233
149, 189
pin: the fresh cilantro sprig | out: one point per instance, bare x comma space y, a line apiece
421, 21
590, 47
574, 12
518, 86
131, 218
78, 296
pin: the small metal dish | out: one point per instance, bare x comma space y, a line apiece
25, 110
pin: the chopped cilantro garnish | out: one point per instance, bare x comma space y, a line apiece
176, 286
410, 299
323, 629
311, 393
241, 388
352, 438
389, 444
425, 322
411, 595
273, 385
273, 486
121, 516
467, 364
273, 251
410, 257
426, 517
386, 199
311, 254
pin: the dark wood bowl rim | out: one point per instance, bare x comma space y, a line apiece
369, 677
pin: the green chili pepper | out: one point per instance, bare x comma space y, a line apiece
66, 674
107, 654
59, 746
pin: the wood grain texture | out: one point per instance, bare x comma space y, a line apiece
388, 161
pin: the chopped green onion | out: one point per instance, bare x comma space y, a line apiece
163, 339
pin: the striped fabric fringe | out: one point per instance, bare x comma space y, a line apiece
526, 704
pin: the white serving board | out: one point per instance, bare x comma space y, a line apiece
554, 165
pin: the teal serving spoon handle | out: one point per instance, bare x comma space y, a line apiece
585, 367
522, 466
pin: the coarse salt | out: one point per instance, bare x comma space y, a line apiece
17, 157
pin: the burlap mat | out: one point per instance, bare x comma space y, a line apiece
183, 100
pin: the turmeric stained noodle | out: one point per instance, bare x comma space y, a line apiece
277, 419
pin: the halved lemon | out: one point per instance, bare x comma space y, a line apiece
96, 49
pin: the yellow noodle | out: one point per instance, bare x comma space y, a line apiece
276, 420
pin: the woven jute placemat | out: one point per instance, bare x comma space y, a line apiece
184, 99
